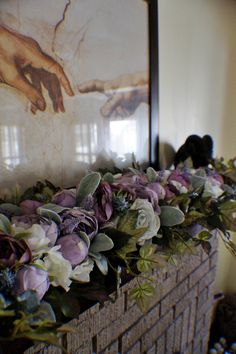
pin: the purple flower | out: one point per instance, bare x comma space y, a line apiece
13, 251
32, 278
157, 187
49, 226
76, 220
180, 177
65, 198
73, 248
141, 191
29, 206
103, 202
131, 178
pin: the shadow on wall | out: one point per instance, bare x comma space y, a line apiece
167, 154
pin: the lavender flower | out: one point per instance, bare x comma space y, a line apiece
76, 220
32, 278
73, 248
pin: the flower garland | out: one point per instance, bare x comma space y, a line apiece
63, 249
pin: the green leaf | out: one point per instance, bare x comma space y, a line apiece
149, 259
101, 262
127, 223
147, 250
198, 181
204, 235
54, 207
118, 237
85, 238
228, 207
69, 306
87, 186
28, 301
182, 201
171, 216
11, 208
49, 214
5, 225
130, 245
142, 295
101, 242
192, 217
108, 177
151, 175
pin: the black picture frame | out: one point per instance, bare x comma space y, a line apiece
153, 83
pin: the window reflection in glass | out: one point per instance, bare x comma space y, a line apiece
12, 146
123, 137
86, 136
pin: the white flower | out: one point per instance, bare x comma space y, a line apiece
36, 239
212, 188
146, 218
59, 269
182, 189
82, 271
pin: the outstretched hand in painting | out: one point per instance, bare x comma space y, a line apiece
124, 93
24, 66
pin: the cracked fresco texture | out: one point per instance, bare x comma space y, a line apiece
75, 130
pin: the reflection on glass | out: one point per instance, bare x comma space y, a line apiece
12, 146
86, 138
123, 136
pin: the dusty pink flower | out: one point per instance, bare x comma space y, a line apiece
103, 202
13, 251
65, 198
76, 220
29, 206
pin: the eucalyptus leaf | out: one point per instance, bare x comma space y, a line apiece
5, 224
44, 313
151, 175
101, 262
108, 177
197, 181
101, 243
87, 186
11, 209
54, 207
171, 216
28, 301
52, 215
85, 238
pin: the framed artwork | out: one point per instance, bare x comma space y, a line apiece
75, 80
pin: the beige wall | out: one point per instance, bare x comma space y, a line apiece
198, 83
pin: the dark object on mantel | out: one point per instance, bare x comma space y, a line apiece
224, 323
200, 150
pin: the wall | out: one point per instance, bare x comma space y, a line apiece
198, 83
